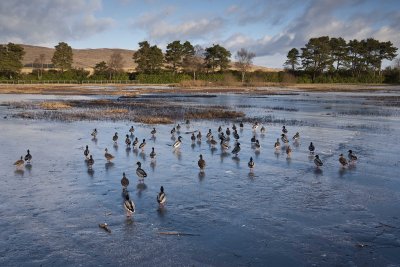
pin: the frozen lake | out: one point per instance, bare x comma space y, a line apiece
284, 213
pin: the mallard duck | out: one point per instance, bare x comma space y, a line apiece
131, 130
201, 163
19, 162
263, 130
241, 124
296, 136
187, 122
213, 142
153, 132
90, 162
142, 145
177, 142
228, 132
199, 136
28, 156
85, 152
253, 139
140, 172
193, 138
236, 135
343, 160
257, 144
284, 139
284, 130
251, 163
115, 137
124, 181
129, 206
224, 145
311, 148
277, 144
209, 134
127, 140
173, 130
234, 127
152, 153
94, 133
288, 151
255, 126
178, 127
135, 142
236, 149
318, 161
108, 156
352, 156
219, 129
161, 197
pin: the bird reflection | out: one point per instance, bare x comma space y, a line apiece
178, 154
109, 165
90, 172
153, 165
318, 172
19, 172
140, 188
143, 155
201, 175
94, 140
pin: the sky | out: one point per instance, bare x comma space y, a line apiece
267, 28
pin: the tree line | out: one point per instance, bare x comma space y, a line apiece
334, 57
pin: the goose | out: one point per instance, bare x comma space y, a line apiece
19, 162
127, 140
296, 136
131, 130
224, 145
152, 153
284, 130
342, 160
257, 144
177, 142
85, 153
142, 145
161, 197
193, 138
255, 126
288, 151
94, 133
352, 156
284, 139
201, 163
129, 206
228, 132
90, 162
318, 161
173, 130
140, 172
212, 141
253, 139
115, 137
153, 132
236, 135
236, 149
219, 129
124, 181
241, 124
251, 163
135, 142
263, 129
28, 156
311, 148
178, 127
234, 127
277, 144
209, 134
199, 136
108, 156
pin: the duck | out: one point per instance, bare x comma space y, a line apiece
284, 130
132, 130
221, 136
224, 145
201, 163
90, 162
236, 135
277, 144
142, 145
193, 138
296, 136
318, 161
236, 149
173, 130
124, 181
94, 133
135, 142
213, 142
129, 206
288, 151
108, 156
178, 127
85, 153
140, 172
219, 129
28, 156
199, 136
209, 134
257, 144
153, 132
352, 156
311, 148
187, 122
115, 137
19, 163
241, 125
263, 130
127, 140
342, 160
152, 153
234, 127
228, 132
251, 163
161, 197
255, 126
177, 142
253, 139
284, 138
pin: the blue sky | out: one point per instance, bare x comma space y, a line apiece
268, 28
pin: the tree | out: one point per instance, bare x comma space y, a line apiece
149, 59
217, 57
194, 63
115, 64
38, 65
176, 54
244, 60
338, 51
315, 55
11, 56
62, 57
386, 51
101, 69
292, 59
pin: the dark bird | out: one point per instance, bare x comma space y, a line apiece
311, 148
19, 162
343, 160
284, 139
108, 156
178, 142
277, 144
135, 142
85, 153
263, 130
352, 156
94, 133
199, 136
131, 130
253, 139
129, 206
127, 140
140, 172
193, 138
201, 163
318, 161
257, 144
28, 156
228, 132
90, 162
241, 125
142, 145
236, 135
124, 181
153, 132
115, 137
251, 163
284, 130
236, 149
209, 134
173, 130
296, 136
161, 197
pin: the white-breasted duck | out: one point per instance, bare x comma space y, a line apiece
209, 134
28, 156
153, 132
284, 130
255, 126
352, 156
178, 127
129, 206
251, 163
296, 136
94, 133
318, 161
277, 144
177, 142
140, 172
161, 197
142, 145
257, 144
224, 145
108, 156
284, 138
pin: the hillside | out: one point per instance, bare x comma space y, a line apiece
88, 58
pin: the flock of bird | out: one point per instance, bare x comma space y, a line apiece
224, 138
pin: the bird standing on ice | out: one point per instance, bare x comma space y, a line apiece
161, 198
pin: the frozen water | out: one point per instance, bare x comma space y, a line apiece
285, 212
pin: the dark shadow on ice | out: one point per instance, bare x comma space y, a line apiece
94, 140
201, 175
342, 171
143, 155
318, 172
153, 165
108, 165
19, 172
90, 172
140, 188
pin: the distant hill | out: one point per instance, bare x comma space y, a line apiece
88, 58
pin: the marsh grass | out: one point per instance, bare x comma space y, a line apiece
54, 105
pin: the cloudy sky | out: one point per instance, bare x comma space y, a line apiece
268, 28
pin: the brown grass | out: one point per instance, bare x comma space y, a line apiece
54, 105
116, 111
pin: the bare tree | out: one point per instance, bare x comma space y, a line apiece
244, 60
115, 64
396, 63
194, 63
38, 65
